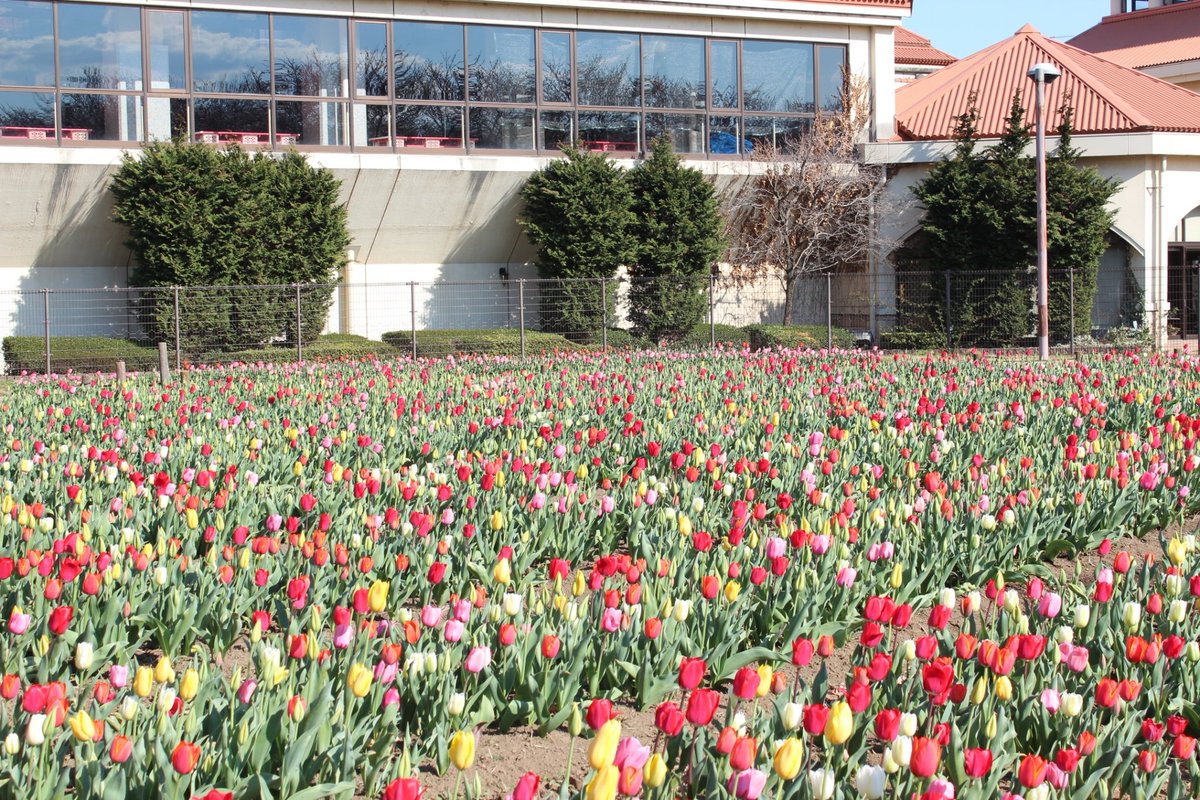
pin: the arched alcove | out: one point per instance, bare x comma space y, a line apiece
1183, 276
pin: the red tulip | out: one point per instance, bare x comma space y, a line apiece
743, 753
1107, 692
745, 683
1067, 759
858, 696
691, 673
121, 749
815, 717
1184, 747
403, 789
60, 619
802, 652
185, 757
887, 724
527, 787
726, 739
598, 713
1147, 760
550, 646
1032, 772
978, 761
937, 676
702, 706
926, 756
668, 718
214, 794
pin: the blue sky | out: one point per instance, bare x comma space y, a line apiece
961, 27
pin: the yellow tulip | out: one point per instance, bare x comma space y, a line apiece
163, 671
1004, 688
789, 758
462, 749
604, 747
189, 683
1177, 551
840, 724
502, 572
733, 590
377, 596
497, 521
979, 691
82, 726
765, 676
604, 785
143, 682
654, 774
358, 679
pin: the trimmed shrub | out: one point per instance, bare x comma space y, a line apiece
912, 340
700, 336
78, 353
495, 341
797, 336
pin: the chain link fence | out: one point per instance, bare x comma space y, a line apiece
56, 330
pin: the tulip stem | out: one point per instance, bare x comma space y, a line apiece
457, 784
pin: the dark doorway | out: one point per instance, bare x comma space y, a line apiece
1183, 289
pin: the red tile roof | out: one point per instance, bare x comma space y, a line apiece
889, 3
913, 48
1146, 38
1106, 97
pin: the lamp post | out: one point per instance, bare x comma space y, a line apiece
1042, 74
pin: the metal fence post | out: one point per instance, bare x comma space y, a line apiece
946, 276
299, 337
178, 345
712, 312
829, 310
604, 313
412, 313
46, 324
521, 312
1071, 286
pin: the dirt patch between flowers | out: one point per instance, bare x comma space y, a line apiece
502, 758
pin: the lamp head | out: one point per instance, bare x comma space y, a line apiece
1043, 73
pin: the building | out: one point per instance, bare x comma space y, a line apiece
1159, 37
1136, 128
432, 114
916, 56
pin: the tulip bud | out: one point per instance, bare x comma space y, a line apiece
908, 726
1083, 615
908, 650
160, 575
575, 723
897, 575
889, 764
163, 671
1192, 652
143, 682
1131, 616
35, 730
654, 773
901, 751
189, 683
83, 655
129, 708
990, 729
1071, 704
979, 690
12, 744
1004, 688
456, 704
1178, 612
603, 748
792, 716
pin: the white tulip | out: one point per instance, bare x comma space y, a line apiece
870, 781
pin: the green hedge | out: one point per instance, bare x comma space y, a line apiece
485, 341
912, 340
701, 336
796, 336
325, 348
78, 353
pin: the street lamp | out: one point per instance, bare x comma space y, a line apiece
1042, 74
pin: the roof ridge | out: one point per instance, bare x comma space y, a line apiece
1080, 70
1106, 63
1142, 13
962, 72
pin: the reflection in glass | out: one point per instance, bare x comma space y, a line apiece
608, 66
502, 128
430, 127
167, 118
230, 52
311, 56
609, 131
429, 60
311, 123
501, 64
371, 61
372, 125
684, 131
100, 47
673, 71
167, 58
102, 117
26, 115
556, 128
219, 120
724, 74
723, 138
832, 77
26, 43
556, 67
777, 76
775, 131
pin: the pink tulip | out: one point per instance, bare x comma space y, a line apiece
846, 576
747, 784
118, 676
776, 547
478, 658
631, 753
431, 616
18, 623
462, 610
343, 635
1076, 658
611, 621
453, 631
1050, 605
246, 690
820, 543
940, 788
391, 697
1050, 700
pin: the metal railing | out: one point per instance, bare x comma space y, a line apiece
55, 330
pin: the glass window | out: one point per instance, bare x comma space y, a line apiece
102, 117
502, 128
673, 71
556, 128
556, 67
230, 53
832, 77
607, 64
372, 125
429, 61
371, 59
501, 64
26, 115
26, 43
223, 120
723, 138
777, 76
311, 56
609, 132
775, 131
165, 36
429, 127
100, 47
723, 69
311, 122
167, 118
684, 131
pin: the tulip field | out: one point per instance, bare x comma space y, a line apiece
808, 574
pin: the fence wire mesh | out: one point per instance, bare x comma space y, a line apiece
57, 330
